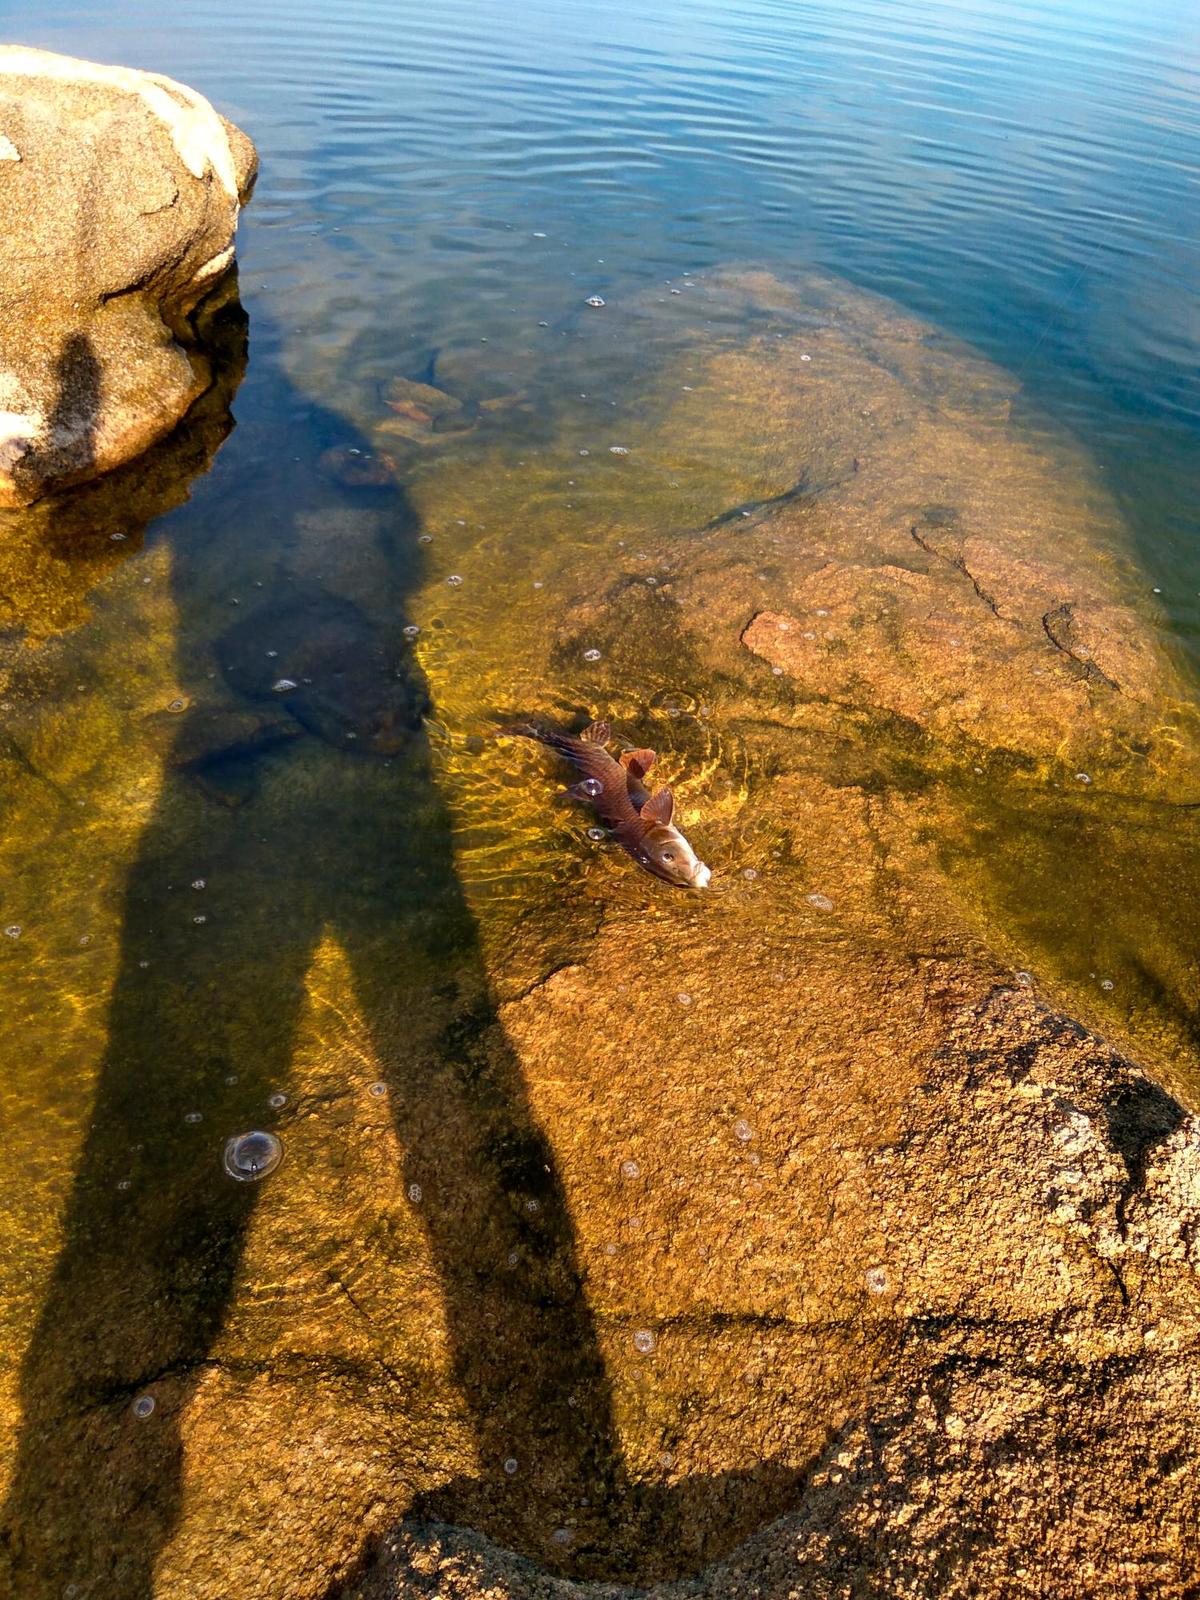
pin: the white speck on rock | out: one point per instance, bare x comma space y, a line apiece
8, 150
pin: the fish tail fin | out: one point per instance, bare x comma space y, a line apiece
529, 730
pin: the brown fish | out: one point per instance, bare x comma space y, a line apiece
641, 821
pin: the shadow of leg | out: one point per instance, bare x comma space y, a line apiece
152, 1239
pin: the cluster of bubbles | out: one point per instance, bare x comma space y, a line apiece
644, 1342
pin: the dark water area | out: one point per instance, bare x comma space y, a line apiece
254, 874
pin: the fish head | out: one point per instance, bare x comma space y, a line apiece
668, 855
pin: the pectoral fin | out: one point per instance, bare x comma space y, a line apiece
596, 733
660, 807
638, 762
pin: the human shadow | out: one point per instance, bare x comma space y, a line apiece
299, 803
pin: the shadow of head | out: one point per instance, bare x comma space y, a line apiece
72, 425
1140, 1116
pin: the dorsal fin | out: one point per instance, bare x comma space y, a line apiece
660, 807
596, 733
638, 762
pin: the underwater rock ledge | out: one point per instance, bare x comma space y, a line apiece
119, 198
1033, 1414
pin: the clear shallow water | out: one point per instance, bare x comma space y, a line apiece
434, 190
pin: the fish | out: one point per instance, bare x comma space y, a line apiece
640, 821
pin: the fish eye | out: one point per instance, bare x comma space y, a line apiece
668, 855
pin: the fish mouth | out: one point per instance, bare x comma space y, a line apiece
701, 877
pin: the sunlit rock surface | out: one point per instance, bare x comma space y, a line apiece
782, 1239
119, 198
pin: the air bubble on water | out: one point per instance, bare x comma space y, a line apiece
585, 452
610, 1249
750, 873
200, 919
591, 655
231, 1078
561, 1536
194, 1117
277, 1100
651, 583
250, 1156
684, 999
143, 1407
411, 631
743, 1131
123, 1185
198, 883
454, 580
876, 1280
378, 1090
13, 931
414, 1193
1106, 983
820, 902
510, 1466
532, 1206
1025, 979
618, 450
592, 786
283, 685
666, 1459
513, 1257
631, 1169
1083, 777
117, 537
427, 538
644, 1341
594, 300
596, 835
805, 358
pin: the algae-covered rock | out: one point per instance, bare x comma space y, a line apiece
119, 197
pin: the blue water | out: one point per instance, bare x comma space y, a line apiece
1025, 175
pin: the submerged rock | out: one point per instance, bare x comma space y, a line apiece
119, 199
327, 664
792, 1239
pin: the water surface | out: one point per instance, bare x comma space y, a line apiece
224, 892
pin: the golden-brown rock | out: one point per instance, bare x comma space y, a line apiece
119, 198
